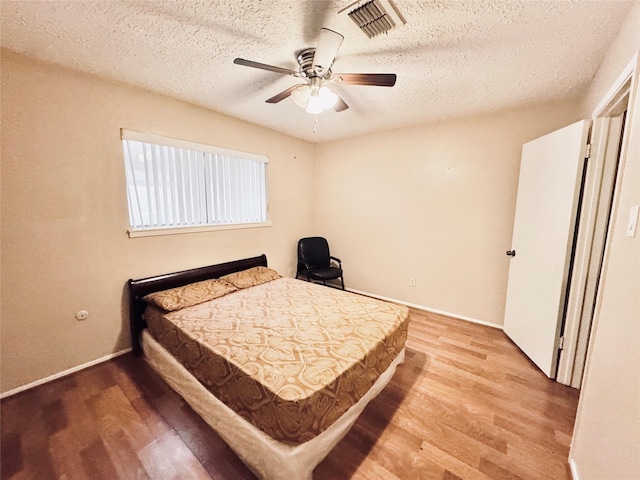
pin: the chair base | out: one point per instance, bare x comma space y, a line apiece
302, 276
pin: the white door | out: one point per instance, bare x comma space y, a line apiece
548, 193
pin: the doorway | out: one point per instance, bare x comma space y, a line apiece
608, 140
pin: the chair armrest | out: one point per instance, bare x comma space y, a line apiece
336, 259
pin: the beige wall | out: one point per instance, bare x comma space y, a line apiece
435, 202
64, 211
606, 439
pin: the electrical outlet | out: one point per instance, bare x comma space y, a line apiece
412, 282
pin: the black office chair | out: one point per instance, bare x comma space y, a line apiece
314, 261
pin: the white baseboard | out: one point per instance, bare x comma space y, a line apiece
573, 469
64, 373
428, 309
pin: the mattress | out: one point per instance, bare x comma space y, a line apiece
266, 457
288, 356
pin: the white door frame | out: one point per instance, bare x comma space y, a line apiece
606, 146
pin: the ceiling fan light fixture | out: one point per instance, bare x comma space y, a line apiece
327, 97
300, 96
314, 99
314, 105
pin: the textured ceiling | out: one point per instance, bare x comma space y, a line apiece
452, 58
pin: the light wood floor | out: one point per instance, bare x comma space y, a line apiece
465, 405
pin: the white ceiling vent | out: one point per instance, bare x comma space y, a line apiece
374, 17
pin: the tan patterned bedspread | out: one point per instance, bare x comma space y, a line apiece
289, 356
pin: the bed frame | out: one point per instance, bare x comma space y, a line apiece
141, 287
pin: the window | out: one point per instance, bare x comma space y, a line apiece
175, 186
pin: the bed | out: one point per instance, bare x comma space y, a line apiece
280, 368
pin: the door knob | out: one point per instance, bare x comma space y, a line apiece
511, 253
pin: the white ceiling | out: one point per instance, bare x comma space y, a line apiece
452, 58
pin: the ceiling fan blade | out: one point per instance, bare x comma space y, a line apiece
328, 44
264, 66
282, 95
373, 79
340, 105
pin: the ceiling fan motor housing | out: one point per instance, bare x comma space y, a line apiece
305, 60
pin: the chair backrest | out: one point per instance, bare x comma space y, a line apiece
314, 252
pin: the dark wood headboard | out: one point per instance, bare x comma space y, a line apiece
143, 286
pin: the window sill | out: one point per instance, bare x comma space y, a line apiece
153, 232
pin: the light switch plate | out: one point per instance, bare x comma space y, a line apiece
633, 221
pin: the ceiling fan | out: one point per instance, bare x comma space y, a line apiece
315, 69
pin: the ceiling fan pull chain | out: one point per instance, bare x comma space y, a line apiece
315, 124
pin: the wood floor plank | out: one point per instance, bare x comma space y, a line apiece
394, 448
466, 404
451, 465
55, 418
154, 422
94, 380
450, 476
81, 423
18, 411
169, 458
194, 432
52, 391
11, 457
97, 462
494, 470
122, 431
227, 465
65, 450
35, 448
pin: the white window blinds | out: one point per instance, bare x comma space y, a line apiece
176, 184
